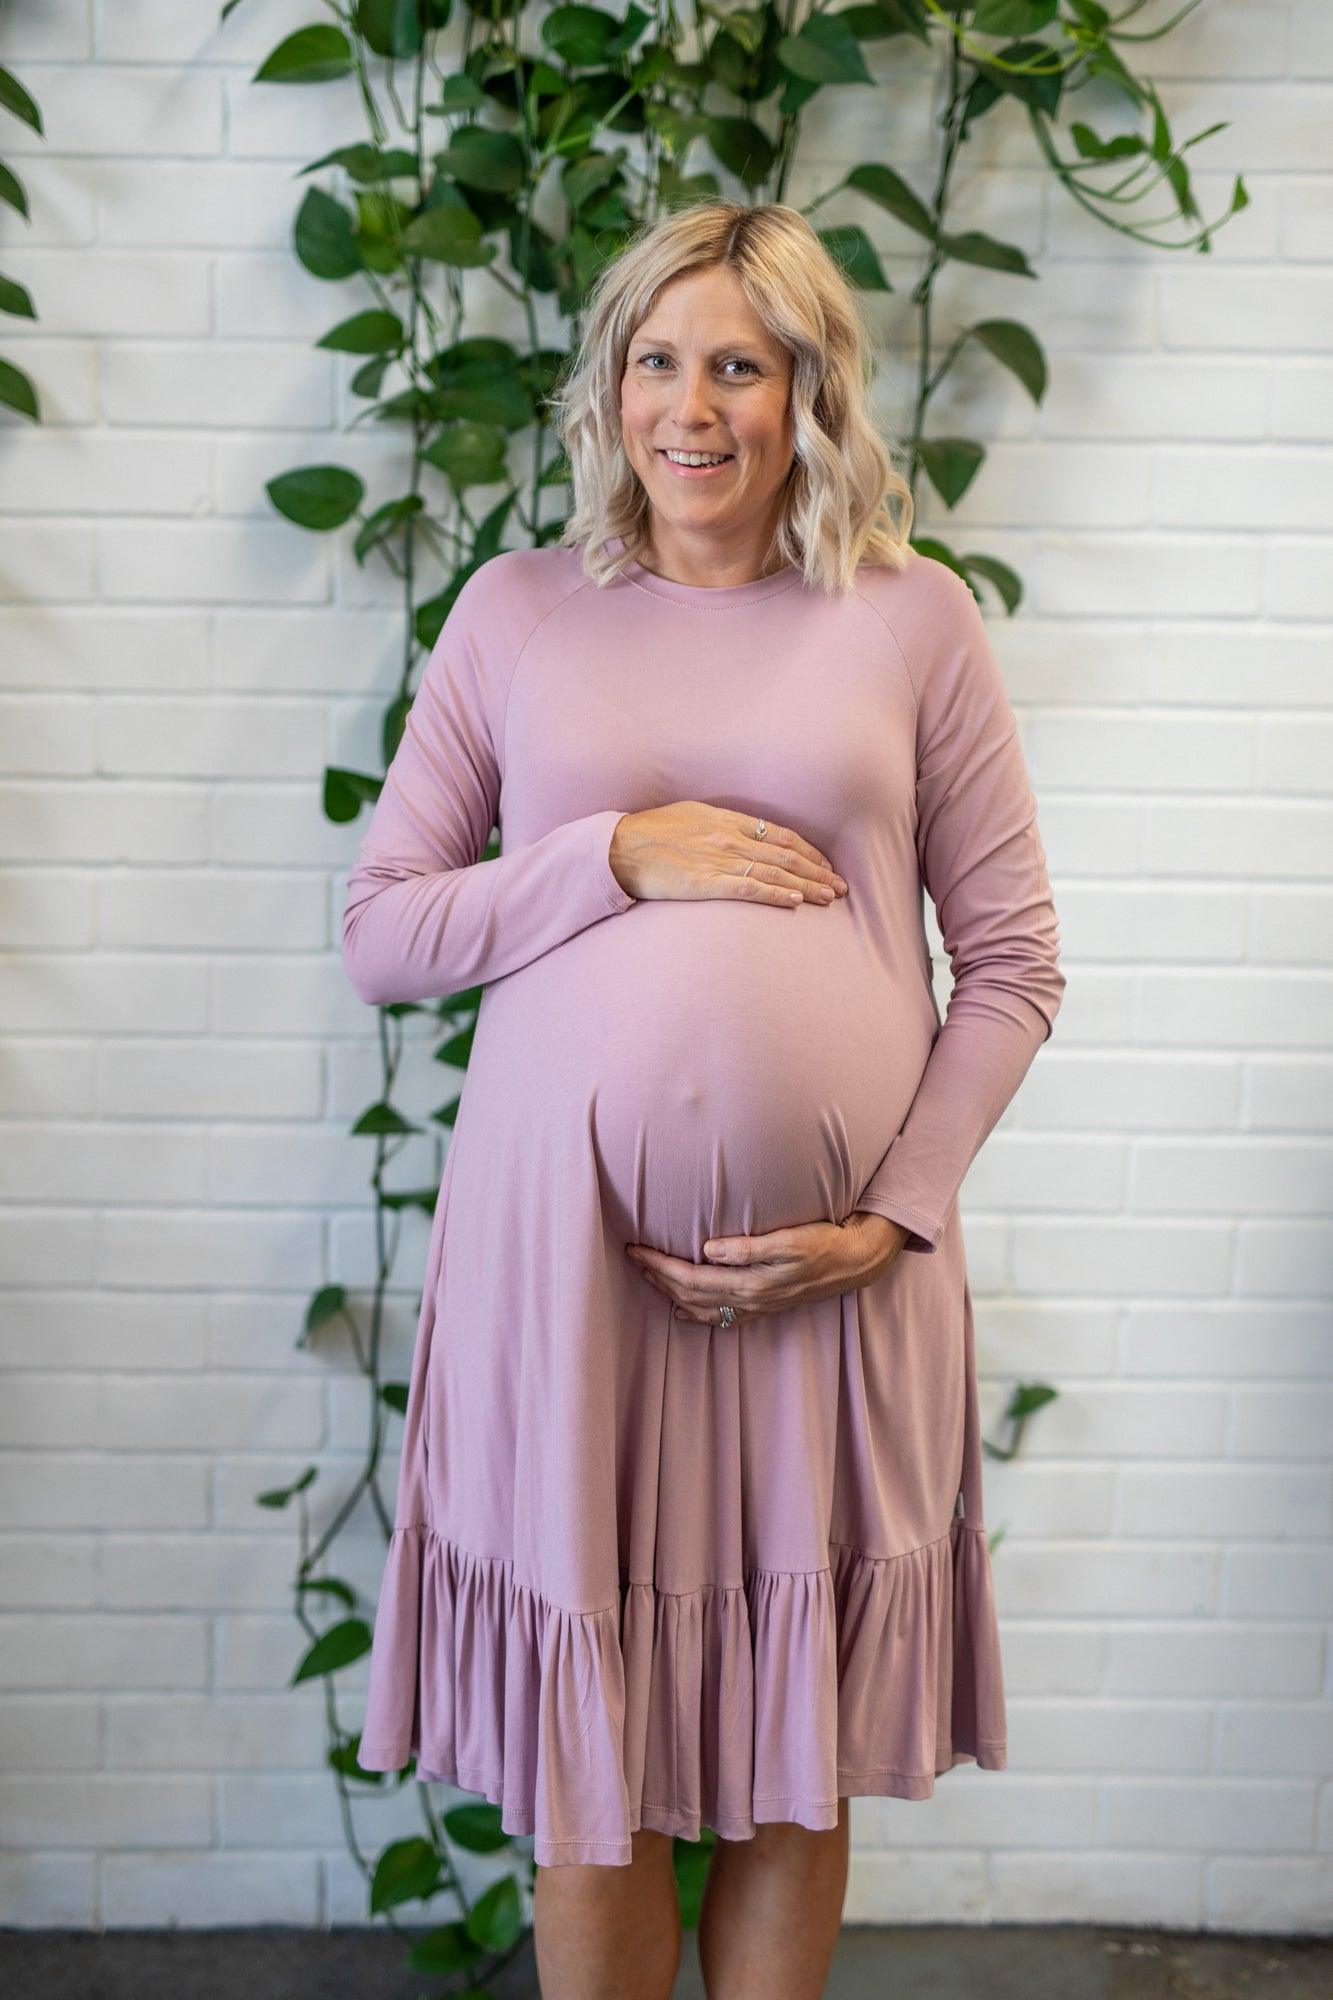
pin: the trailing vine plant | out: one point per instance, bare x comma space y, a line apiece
610, 119
17, 390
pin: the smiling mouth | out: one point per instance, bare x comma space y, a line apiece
723, 456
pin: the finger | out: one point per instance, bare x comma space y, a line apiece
763, 881
729, 1249
660, 1261
797, 853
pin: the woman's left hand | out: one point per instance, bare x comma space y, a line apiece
755, 1275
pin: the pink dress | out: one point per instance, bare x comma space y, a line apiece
645, 1571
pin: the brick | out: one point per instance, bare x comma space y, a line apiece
92, 1652
1263, 1893
1219, 1814
98, 1809
49, 1733
216, 1733
1214, 1659
48, 1891
64, 1489
1053, 1886
1240, 1502
210, 1890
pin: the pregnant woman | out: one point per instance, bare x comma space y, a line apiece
689, 1525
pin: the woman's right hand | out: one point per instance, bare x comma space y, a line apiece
689, 851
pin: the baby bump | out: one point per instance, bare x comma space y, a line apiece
736, 1068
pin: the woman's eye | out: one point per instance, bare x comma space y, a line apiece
736, 360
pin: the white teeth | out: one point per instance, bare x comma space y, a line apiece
698, 457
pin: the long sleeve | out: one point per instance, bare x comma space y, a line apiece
424, 916
982, 862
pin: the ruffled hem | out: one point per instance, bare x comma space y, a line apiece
727, 1706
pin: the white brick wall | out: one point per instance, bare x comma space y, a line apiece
1148, 1229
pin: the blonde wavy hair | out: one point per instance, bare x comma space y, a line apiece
836, 510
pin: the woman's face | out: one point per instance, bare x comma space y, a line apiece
703, 375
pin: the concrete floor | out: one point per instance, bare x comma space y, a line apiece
1067, 1962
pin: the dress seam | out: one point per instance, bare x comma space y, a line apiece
748, 1569
688, 604
583, 583
900, 1208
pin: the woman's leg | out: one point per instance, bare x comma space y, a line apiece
772, 1910
609, 1933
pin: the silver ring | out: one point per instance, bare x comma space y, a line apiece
728, 1314
749, 865
761, 829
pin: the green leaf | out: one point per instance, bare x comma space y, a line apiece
468, 454
13, 97
938, 551
1012, 17
17, 391
488, 388
408, 1871
369, 376
447, 233
580, 36
327, 1303
370, 332
476, 1828
1034, 75
330, 1586
312, 55
399, 1199
465, 1002
1005, 580
849, 246
891, 191
951, 465
345, 792
395, 721
823, 51
379, 525
496, 1918
905, 17
16, 298
395, 1395
12, 190
1091, 147
457, 1049
742, 147
316, 496
1030, 1396
324, 238
380, 1121
1017, 349
278, 1496
460, 92
975, 247
360, 160
448, 1949
338, 1647
481, 158
691, 1860
344, 1760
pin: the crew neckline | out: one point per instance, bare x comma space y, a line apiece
716, 597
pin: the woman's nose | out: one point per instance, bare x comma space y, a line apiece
693, 402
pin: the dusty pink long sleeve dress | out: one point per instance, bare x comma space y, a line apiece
650, 1572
